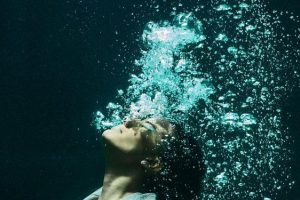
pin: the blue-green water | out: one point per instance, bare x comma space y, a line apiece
224, 75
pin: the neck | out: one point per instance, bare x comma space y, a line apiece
120, 182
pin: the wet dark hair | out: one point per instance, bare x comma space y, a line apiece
183, 168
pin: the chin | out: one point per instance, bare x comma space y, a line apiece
106, 134
110, 134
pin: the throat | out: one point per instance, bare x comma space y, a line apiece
117, 186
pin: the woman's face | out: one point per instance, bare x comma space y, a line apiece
136, 137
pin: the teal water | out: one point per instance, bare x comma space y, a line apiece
225, 75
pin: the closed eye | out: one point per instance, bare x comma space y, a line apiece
149, 126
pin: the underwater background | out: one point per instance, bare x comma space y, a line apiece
62, 61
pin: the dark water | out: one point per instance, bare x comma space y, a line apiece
61, 61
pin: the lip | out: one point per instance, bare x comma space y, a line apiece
117, 129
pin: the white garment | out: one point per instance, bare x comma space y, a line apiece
135, 196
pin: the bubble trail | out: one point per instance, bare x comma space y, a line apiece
225, 75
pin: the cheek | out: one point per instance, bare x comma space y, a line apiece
149, 143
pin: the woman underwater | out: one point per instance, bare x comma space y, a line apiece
150, 159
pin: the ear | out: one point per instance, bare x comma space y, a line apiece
152, 164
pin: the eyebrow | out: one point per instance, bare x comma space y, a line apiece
147, 127
163, 124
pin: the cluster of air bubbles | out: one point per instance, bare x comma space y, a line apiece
170, 83
225, 75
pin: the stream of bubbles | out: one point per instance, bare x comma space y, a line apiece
225, 76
